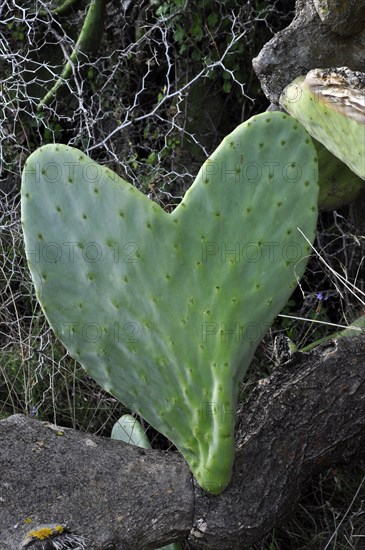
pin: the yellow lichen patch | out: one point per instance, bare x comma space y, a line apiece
42, 533
45, 532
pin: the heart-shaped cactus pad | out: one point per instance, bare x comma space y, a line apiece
165, 310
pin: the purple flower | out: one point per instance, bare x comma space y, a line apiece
320, 296
33, 411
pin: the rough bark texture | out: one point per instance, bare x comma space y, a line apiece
309, 43
344, 17
308, 415
116, 495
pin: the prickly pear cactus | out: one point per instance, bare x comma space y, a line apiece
330, 103
128, 429
164, 310
338, 185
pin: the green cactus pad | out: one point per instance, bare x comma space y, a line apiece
338, 185
330, 103
164, 310
129, 430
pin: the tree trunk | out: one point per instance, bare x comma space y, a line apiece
312, 41
308, 415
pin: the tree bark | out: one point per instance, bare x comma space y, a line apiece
308, 415
312, 43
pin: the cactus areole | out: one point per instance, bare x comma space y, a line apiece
165, 310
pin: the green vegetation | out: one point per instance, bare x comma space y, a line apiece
128, 108
181, 351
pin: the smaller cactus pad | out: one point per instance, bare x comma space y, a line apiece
338, 185
330, 103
